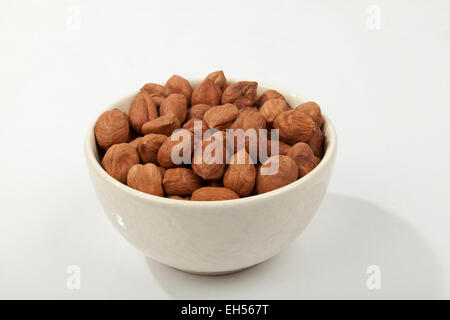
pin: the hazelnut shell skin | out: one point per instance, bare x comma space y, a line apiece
304, 157
294, 126
267, 95
165, 125
146, 178
241, 94
197, 111
221, 117
112, 127
206, 92
219, 78
148, 147
118, 159
178, 84
175, 104
312, 109
240, 175
213, 194
142, 110
286, 173
181, 181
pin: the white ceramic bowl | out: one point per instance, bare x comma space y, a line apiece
212, 237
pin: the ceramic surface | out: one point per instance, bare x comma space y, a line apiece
213, 237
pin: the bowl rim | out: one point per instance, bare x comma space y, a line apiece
331, 147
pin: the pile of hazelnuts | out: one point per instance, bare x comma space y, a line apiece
175, 141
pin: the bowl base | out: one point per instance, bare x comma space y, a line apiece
220, 273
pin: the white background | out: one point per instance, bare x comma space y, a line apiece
386, 90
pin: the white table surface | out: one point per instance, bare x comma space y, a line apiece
387, 91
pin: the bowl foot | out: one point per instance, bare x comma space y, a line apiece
220, 273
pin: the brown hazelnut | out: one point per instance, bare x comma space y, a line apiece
119, 159
267, 95
149, 146
206, 93
241, 174
316, 142
221, 117
177, 84
197, 111
248, 120
241, 94
146, 178
294, 126
156, 91
283, 148
213, 194
272, 109
206, 163
219, 78
312, 109
275, 173
304, 157
165, 125
142, 109
111, 127
189, 125
183, 141
175, 104
181, 181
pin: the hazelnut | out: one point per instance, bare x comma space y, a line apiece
312, 109
179, 141
142, 109
283, 148
206, 93
149, 146
111, 127
267, 95
276, 172
221, 117
213, 194
246, 120
175, 104
241, 94
181, 181
197, 111
206, 163
146, 178
272, 109
165, 125
177, 84
316, 142
241, 174
219, 78
189, 125
119, 159
304, 157
294, 126
156, 91
249, 119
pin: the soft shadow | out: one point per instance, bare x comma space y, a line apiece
328, 261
